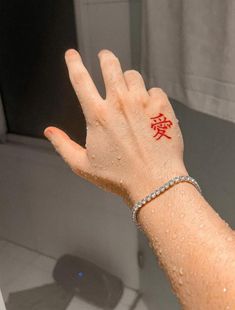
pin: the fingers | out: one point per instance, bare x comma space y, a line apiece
72, 153
112, 73
159, 97
134, 81
82, 82
157, 93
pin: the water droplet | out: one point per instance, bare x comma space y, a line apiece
153, 210
180, 281
112, 162
92, 156
96, 123
181, 271
227, 307
174, 268
121, 181
167, 230
224, 289
155, 239
119, 157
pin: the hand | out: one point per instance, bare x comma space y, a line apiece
121, 154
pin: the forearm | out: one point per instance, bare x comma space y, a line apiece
195, 247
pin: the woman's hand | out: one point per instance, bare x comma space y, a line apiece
121, 154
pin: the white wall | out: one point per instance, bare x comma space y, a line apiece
46, 207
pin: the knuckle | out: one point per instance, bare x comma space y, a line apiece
158, 92
100, 113
162, 92
132, 72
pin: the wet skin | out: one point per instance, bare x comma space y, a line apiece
194, 245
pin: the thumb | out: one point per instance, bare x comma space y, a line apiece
72, 153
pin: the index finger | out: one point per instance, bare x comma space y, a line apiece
82, 82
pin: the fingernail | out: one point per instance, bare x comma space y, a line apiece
71, 52
48, 133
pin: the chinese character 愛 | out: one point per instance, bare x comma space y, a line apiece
160, 124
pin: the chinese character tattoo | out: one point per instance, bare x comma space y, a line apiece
160, 124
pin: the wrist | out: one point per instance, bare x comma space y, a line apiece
143, 185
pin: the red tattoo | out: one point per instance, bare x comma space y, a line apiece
160, 124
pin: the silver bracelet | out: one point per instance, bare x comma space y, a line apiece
160, 190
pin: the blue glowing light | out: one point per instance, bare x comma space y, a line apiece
80, 274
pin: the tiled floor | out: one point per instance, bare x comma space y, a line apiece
22, 269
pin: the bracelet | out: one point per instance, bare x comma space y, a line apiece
159, 191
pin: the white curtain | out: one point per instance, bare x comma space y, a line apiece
188, 49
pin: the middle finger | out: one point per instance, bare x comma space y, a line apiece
114, 80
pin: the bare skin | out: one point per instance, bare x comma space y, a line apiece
194, 245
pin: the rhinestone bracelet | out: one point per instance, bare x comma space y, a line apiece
160, 190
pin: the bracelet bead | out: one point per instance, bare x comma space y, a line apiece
159, 191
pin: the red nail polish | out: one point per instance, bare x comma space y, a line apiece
48, 133
71, 52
